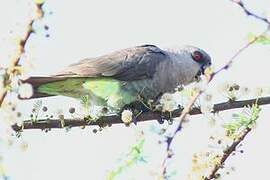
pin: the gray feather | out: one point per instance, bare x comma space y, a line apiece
128, 64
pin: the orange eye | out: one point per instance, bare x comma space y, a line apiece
197, 56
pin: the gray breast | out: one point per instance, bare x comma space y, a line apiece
178, 69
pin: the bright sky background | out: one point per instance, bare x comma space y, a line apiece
80, 29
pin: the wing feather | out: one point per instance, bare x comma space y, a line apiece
134, 63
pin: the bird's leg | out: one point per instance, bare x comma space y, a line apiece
148, 104
141, 106
167, 115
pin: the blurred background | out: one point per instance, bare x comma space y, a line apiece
73, 30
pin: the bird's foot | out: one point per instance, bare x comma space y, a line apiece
137, 107
167, 116
135, 117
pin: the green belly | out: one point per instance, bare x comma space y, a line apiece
101, 91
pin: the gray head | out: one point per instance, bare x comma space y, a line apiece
199, 56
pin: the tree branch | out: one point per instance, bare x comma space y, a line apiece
147, 116
12, 70
249, 13
227, 152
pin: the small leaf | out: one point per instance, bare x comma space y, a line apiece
263, 39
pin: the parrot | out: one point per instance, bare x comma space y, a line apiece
121, 77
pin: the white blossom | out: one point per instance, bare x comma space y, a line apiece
25, 90
167, 102
126, 116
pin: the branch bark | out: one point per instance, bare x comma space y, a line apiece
147, 116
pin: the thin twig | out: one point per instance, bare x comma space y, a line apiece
249, 13
12, 70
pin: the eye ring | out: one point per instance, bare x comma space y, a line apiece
197, 56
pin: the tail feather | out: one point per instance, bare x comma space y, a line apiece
38, 81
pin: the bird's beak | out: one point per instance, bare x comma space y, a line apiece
203, 67
204, 70
201, 71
